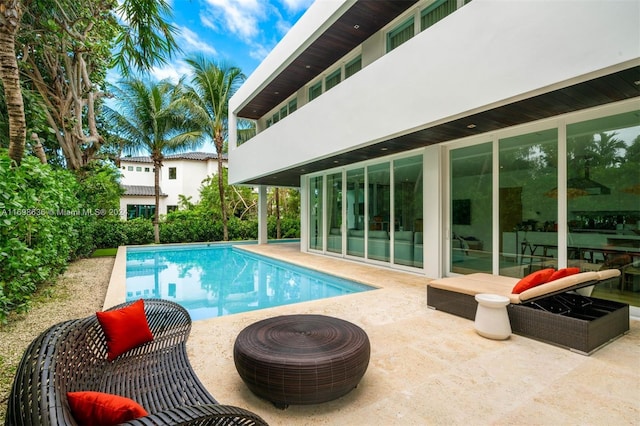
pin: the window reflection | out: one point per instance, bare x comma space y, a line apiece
471, 186
603, 201
355, 212
315, 213
528, 215
334, 212
379, 212
407, 236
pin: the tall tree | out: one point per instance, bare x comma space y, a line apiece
151, 117
211, 88
10, 16
66, 48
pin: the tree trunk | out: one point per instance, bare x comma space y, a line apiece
157, 164
219, 144
278, 230
38, 149
10, 15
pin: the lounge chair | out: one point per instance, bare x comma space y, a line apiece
552, 312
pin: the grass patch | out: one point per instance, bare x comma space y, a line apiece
105, 252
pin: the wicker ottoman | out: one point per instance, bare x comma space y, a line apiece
301, 359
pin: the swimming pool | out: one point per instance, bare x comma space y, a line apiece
212, 280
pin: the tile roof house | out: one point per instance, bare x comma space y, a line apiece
181, 174
453, 136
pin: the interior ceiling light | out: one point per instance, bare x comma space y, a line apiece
471, 126
356, 26
384, 148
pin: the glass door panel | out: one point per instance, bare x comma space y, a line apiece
334, 212
407, 199
379, 217
315, 213
471, 209
355, 212
603, 202
528, 211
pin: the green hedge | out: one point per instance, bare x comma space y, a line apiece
41, 224
185, 227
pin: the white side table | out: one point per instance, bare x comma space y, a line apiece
492, 320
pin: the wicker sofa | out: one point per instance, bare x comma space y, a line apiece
559, 312
72, 356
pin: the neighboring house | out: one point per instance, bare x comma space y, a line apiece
449, 136
181, 174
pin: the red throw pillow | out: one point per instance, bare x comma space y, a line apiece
532, 280
564, 272
103, 409
125, 328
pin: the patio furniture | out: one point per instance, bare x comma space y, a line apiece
492, 320
552, 312
301, 359
72, 357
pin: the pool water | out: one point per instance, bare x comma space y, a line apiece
213, 280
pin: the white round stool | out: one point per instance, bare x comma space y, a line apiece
492, 320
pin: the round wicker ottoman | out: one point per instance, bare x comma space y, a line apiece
301, 359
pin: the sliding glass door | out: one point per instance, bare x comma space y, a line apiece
470, 208
355, 212
334, 212
315, 213
379, 211
407, 209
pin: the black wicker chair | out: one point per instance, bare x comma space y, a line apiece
72, 356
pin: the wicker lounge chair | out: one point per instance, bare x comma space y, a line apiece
551, 312
72, 356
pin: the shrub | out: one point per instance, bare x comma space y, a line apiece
39, 219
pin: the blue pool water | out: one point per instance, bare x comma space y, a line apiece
218, 279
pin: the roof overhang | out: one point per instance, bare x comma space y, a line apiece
351, 28
614, 87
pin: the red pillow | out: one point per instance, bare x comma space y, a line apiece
103, 409
564, 272
125, 328
532, 280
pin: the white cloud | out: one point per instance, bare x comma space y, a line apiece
296, 5
189, 41
240, 17
173, 71
259, 52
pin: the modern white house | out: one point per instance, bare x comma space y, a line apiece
449, 137
181, 174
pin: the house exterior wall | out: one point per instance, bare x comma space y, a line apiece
189, 177
486, 54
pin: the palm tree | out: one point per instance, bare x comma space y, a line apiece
151, 119
10, 15
208, 99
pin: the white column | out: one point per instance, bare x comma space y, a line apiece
263, 234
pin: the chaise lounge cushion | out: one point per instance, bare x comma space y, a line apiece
564, 272
558, 285
124, 328
480, 282
532, 280
97, 408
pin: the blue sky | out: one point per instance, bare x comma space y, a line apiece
236, 32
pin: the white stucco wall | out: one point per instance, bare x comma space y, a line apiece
486, 54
